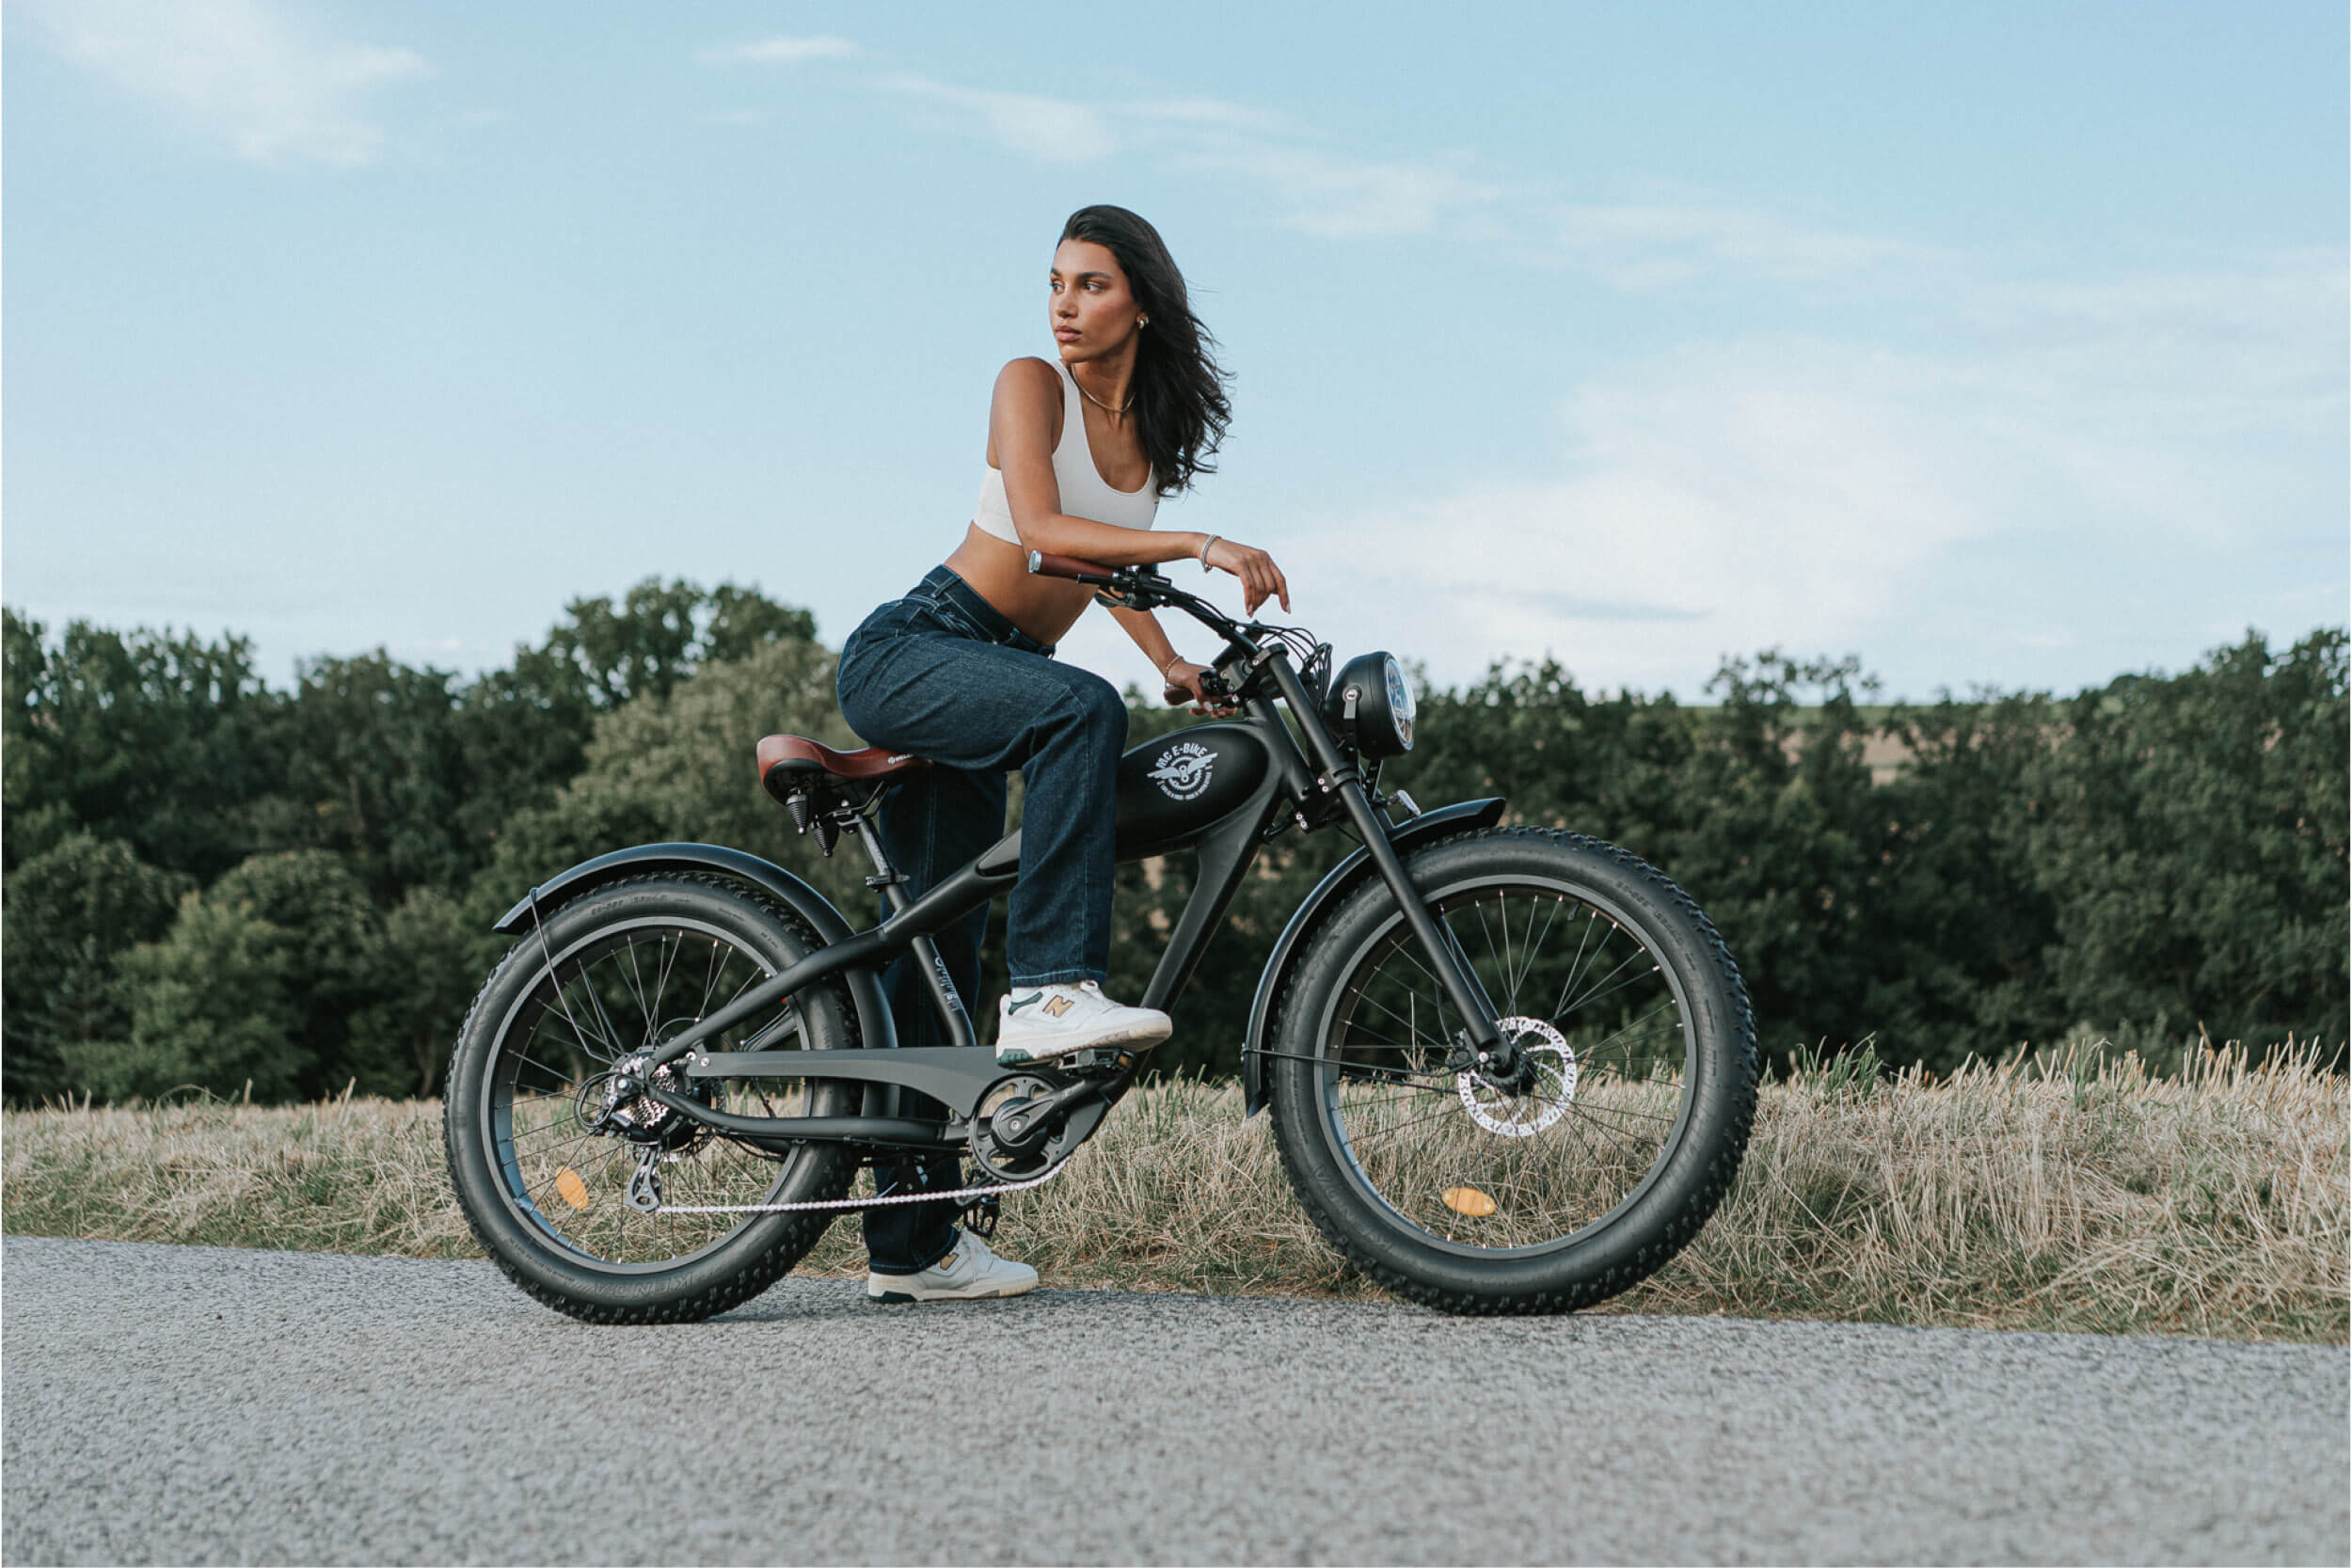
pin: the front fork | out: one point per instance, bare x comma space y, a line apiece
1481, 1034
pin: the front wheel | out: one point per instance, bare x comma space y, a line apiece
1615, 1134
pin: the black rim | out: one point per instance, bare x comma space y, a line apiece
623, 987
1557, 1153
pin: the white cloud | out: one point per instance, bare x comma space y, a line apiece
2072, 465
1056, 130
779, 51
1213, 113
1322, 192
1338, 194
1643, 245
1342, 198
235, 69
1716, 500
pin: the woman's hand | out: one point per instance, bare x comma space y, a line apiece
1182, 679
1261, 578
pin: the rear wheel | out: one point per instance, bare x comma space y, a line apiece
542, 1148
1588, 1165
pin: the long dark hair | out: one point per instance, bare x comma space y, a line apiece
1181, 408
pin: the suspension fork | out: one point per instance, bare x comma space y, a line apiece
1339, 776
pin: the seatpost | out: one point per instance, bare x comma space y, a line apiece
892, 883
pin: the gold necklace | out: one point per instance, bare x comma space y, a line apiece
1118, 412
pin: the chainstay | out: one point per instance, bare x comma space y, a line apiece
990, 1190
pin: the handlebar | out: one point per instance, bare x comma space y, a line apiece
1142, 588
1044, 563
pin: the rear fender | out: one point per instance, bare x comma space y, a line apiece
873, 1012
1344, 879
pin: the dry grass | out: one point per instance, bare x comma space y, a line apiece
2066, 1192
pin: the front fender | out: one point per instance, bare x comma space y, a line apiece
873, 1012
1405, 837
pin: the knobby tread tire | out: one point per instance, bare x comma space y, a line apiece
795, 1234
1702, 1191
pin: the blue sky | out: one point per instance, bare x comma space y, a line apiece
1999, 344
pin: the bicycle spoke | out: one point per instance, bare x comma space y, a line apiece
1530, 1160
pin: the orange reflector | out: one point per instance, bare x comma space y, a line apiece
575, 1192
1469, 1201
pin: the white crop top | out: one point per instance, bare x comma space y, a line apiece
1083, 492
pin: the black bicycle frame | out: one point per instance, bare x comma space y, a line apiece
959, 1075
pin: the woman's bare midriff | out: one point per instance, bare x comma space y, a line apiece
1045, 608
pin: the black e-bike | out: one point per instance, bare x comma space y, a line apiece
1511, 1069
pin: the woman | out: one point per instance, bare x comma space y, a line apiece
961, 671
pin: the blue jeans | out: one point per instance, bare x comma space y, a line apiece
943, 674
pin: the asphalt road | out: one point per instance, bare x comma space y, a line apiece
192, 1404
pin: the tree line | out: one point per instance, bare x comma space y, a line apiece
214, 883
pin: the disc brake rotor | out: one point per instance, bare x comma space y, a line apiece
1550, 1083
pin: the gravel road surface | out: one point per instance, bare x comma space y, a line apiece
194, 1404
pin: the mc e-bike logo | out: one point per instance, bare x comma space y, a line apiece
1182, 774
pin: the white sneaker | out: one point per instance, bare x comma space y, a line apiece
971, 1273
1053, 1021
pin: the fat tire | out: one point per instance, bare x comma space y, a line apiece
745, 1263
1700, 1167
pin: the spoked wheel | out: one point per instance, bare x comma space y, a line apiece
545, 1148
1585, 1159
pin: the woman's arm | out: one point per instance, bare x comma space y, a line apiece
1024, 424
1180, 678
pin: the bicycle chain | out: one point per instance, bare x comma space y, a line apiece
965, 1194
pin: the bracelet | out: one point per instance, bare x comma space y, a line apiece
1204, 549
1172, 658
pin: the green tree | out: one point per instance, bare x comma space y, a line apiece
212, 1006
258, 978
524, 731
375, 770
72, 911
1961, 930
2191, 834
158, 739
607, 656
678, 765
423, 970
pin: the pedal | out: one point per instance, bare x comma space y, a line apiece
1096, 1061
981, 1214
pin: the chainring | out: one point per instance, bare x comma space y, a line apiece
997, 1162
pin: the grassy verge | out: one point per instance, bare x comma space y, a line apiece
2067, 1191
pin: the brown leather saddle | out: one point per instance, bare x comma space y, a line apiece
790, 763
813, 780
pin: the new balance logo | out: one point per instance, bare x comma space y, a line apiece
1057, 1006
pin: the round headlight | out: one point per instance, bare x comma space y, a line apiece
1400, 704
1370, 705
